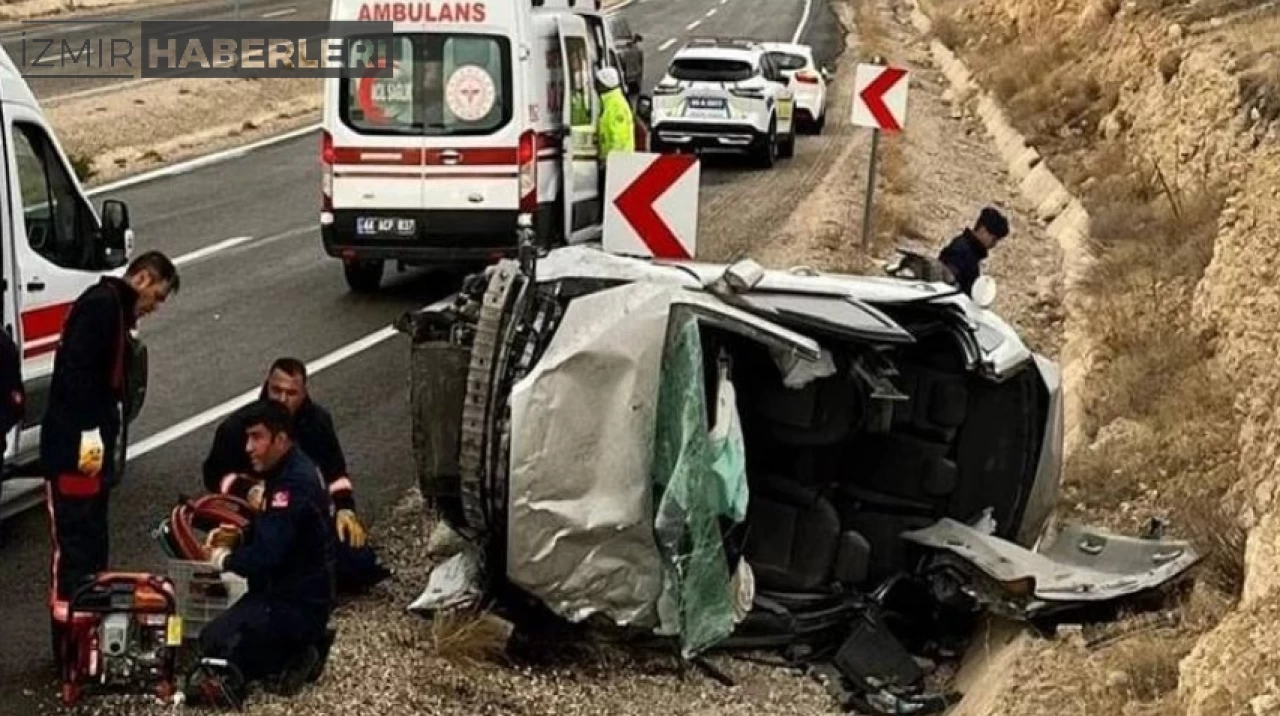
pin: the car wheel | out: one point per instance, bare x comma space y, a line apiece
820, 124
363, 276
767, 154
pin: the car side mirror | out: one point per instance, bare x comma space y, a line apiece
984, 291
827, 74
117, 235
644, 108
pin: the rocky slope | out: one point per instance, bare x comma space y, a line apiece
1161, 115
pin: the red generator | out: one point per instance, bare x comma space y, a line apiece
124, 635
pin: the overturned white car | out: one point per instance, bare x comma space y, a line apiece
728, 456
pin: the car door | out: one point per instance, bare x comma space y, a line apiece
8, 290
55, 248
784, 93
582, 201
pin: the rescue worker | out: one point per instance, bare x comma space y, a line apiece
616, 131
84, 420
278, 631
966, 252
227, 469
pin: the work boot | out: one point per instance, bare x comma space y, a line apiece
295, 675
326, 643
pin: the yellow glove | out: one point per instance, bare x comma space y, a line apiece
217, 556
223, 536
91, 452
349, 528
257, 495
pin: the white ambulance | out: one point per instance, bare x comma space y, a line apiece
490, 112
54, 247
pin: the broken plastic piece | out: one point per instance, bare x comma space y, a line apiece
454, 584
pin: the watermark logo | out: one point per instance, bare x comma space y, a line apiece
213, 49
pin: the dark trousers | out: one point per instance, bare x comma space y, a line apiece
258, 638
356, 570
77, 507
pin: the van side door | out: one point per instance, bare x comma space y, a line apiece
8, 286
57, 247
582, 201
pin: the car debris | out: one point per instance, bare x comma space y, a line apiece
850, 470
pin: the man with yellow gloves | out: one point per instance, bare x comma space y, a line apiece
616, 131
227, 469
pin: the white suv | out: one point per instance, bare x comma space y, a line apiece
724, 94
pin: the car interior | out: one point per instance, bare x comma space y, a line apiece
838, 468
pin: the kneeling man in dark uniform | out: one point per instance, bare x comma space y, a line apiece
278, 630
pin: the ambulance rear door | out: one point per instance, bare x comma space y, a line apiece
376, 137
582, 201
470, 97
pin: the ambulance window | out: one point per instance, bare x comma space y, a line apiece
384, 105
579, 82
54, 219
444, 84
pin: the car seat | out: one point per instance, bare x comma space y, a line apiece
795, 542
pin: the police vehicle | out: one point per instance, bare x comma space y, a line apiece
724, 94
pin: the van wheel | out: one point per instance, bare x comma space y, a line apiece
363, 276
767, 153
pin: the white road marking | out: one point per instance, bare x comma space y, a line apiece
663, 47
231, 243
693, 24
804, 20
204, 161
712, 12
280, 13
211, 249
195, 422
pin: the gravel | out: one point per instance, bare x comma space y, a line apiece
389, 661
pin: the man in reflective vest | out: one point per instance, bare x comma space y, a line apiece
616, 131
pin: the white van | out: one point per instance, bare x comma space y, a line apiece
491, 107
54, 247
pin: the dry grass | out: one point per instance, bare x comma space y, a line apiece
1259, 87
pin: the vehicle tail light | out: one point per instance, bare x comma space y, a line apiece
748, 92
328, 157
527, 158
662, 89
806, 77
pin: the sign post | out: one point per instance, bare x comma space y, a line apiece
879, 104
651, 205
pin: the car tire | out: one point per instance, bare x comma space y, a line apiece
363, 276
820, 124
767, 153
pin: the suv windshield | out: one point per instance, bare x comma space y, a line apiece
710, 70
787, 61
442, 84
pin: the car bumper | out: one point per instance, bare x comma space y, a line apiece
707, 135
437, 236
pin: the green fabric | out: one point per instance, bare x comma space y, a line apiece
699, 479
617, 132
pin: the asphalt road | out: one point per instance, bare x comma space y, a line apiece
271, 291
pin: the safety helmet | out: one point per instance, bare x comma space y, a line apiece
608, 77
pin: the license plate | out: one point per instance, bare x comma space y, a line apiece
707, 107
384, 226
173, 634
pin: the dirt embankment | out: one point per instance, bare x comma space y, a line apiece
1161, 116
